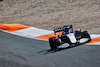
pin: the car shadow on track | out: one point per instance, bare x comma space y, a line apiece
49, 51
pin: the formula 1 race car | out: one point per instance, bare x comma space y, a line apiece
68, 38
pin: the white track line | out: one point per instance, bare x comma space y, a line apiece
31, 32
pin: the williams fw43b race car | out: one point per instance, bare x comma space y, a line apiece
68, 38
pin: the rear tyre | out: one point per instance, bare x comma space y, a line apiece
58, 42
52, 43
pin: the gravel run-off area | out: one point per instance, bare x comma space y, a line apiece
47, 14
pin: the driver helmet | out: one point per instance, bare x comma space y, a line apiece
67, 30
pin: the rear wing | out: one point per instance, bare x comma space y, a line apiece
63, 29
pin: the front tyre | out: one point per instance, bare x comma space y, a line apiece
85, 34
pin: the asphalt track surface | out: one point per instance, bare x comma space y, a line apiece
16, 51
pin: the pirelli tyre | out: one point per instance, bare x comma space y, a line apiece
58, 42
52, 43
85, 34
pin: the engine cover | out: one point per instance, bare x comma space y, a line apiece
72, 37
